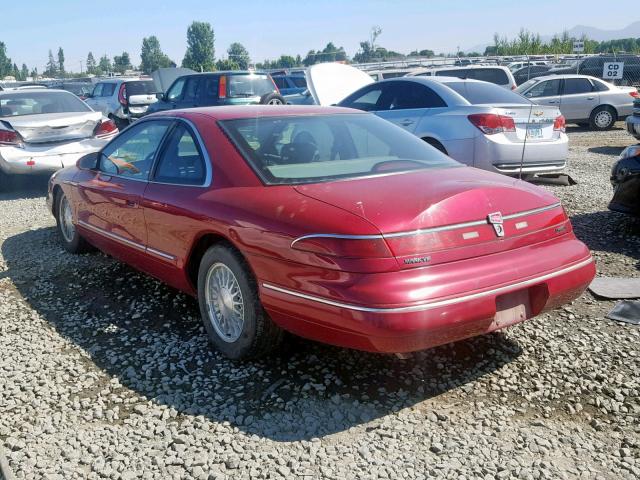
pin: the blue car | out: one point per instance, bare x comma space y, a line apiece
290, 84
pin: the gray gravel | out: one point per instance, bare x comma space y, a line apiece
106, 373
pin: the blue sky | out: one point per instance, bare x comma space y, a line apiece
270, 28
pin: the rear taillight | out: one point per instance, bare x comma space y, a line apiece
490, 123
10, 138
105, 129
122, 95
344, 247
222, 87
559, 123
634, 94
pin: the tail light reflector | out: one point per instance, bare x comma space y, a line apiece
635, 94
344, 247
105, 128
559, 123
490, 123
122, 95
222, 87
10, 138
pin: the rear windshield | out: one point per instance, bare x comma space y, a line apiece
141, 88
317, 148
481, 93
491, 75
249, 85
36, 103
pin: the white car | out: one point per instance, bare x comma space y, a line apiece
487, 73
123, 99
587, 101
513, 66
43, 130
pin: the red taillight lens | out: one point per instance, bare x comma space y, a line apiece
10, 137
559, 123
222, 87
634, 94
344, 247
490, 123
105, 129
122, 95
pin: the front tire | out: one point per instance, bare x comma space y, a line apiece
602, 118
71, 239
272, 99
233, 316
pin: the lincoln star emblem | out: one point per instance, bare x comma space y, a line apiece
538, 113
495, 219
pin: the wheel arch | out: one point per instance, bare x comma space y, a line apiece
435, 142
607, 105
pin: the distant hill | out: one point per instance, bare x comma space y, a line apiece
593, 33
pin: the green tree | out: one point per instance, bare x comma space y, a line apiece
24, 71
422, 53
227, 64
91, 64
200, 55
52, 66
104, 66
5, 62
151, 55
239, 55
121, 63
15, 71
61, 61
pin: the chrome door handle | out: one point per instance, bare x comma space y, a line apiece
406, 123
590, 98
552, 102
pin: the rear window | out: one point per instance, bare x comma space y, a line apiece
300, 82
36, 103
141, 88
249, 85
491, 75
317, 148
477, 93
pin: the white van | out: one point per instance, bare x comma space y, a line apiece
487, 73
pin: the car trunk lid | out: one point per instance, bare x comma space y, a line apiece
438, 216
329, 83
55, 127
535, 123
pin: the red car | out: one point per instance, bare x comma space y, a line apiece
330, 223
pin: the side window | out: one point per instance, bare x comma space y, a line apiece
491, 75
280, 82
366, 100
548, 88
97, 90
175, 91
131, 154
209, 87
192, 89
108, 89
181, 161
600, 86
575, 86
406, 95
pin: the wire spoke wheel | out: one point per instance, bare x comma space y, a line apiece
67, 228
224, 302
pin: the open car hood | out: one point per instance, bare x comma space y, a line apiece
329, 83
164, 77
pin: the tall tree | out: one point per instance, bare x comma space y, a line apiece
52, 66
152, 56
239, 55
200, 55
5, 62
105, 65
91, 64
61, 61
24, 71
16, 72
121, 63
227, 64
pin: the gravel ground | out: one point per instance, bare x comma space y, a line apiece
106, 373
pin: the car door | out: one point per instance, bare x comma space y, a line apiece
545, 92
181, 175
209, 91
191, 95
109, 198
579, 98
174, 94
96, 95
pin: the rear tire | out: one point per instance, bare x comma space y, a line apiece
436, 144
602, 118
71, 239
272, 99
235, 321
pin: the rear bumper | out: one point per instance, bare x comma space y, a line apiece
633, 125
35, 159
447, 310
495, 153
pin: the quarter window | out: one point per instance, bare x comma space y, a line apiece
181, 161
131, 154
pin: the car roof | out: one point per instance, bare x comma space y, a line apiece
563, 76
463, 67
7, 92
234, 112
430, 79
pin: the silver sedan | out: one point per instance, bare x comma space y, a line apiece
587, 101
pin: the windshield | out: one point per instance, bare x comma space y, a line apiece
296, 149
249, 85
481, 93
141, 88
36, 103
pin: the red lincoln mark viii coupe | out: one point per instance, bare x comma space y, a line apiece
330, 223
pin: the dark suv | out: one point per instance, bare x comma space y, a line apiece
219, 88
594, 66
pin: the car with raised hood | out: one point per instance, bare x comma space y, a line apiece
476, 123
329, 223
123, 100
587, 101
219, 88
44, 130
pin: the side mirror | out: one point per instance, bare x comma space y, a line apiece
160, 96
89, 161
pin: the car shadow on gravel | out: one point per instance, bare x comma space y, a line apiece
607, 150
148, 341
23, 187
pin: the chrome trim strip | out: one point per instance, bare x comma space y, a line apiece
435, 304
126, 241
444, 228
